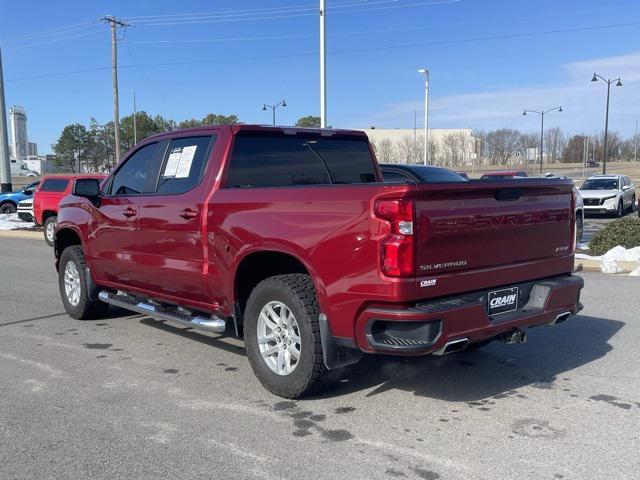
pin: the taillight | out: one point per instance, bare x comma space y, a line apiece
397, 249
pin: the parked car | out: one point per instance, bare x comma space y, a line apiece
47, 197
405, 173
613, 194
25, 210
290, 237
9, 201
504, 174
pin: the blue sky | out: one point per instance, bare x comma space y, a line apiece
236, 58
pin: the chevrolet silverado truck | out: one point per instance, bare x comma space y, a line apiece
289, 238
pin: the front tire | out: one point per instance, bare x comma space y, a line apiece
72, 280
282, 335
50, 230
620, 211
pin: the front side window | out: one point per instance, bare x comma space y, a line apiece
280, 160
137, 174
54, 185
184, 164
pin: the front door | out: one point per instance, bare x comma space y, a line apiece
115, 233
170, 222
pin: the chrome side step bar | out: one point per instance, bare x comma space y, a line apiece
213, 324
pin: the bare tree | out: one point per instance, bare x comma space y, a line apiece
503, 145
406, 150
555, 142
385, 151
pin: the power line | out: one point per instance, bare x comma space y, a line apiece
346, 51
288, 13
360, 32
54, 31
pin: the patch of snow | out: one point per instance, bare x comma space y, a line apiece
12, 222
609, 261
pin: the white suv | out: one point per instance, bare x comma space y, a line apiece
608, 194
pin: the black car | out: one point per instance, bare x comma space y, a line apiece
403, 173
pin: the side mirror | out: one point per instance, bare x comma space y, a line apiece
87, 188
625, 188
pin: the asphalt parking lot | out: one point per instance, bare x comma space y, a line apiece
127, 397
595, 223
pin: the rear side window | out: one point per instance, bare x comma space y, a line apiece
184, 164
54, 185
288, 160
137, 174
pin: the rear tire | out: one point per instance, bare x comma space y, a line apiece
8, 208
294, 295
632, 207
50, 230
72, 280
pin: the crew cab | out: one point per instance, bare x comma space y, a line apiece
9, 200
290, 238
47, 197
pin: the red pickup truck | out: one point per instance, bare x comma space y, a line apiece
290, 237
51, 190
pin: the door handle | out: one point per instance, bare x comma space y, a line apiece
188, 213
129, 212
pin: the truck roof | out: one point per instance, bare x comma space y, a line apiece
233, 129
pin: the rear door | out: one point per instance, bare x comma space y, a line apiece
115, 239
480, 225
170, 221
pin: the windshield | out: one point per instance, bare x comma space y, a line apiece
600, 184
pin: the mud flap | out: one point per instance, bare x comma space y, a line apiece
335, 351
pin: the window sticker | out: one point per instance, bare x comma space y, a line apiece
179, 162
186, 159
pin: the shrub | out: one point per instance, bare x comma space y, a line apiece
625, 232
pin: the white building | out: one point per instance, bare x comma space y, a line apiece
19, 145
449, 146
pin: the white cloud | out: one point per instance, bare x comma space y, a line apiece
583, 102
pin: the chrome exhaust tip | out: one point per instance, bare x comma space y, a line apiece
452, 346
563, 317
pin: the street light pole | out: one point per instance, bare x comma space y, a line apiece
606, 118
542, 113
5, 161
323, 65
427, 143
273, 108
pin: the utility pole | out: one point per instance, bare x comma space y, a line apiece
5, 161
115, 23
323, 66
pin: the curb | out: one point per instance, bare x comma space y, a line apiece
21, 234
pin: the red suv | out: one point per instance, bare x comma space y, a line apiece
45, 201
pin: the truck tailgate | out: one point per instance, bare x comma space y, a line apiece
464, 227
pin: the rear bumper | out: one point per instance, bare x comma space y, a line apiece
427, 327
